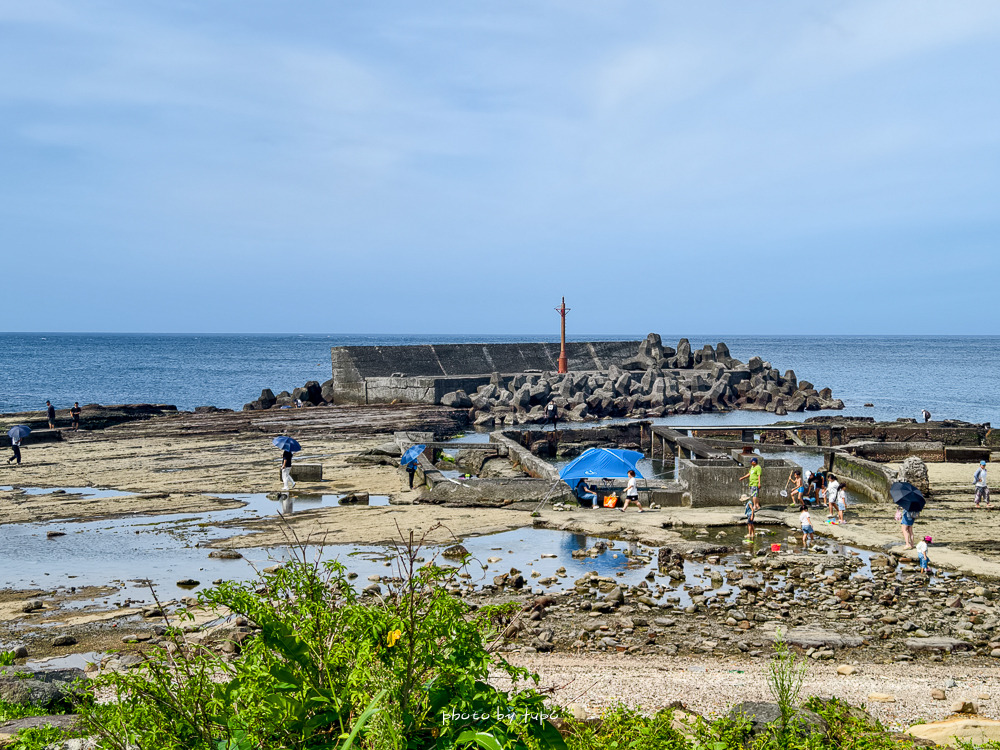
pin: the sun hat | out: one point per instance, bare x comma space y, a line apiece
753, 460
928, 539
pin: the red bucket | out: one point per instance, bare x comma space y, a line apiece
775, 548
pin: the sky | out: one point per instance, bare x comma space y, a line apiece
457, 167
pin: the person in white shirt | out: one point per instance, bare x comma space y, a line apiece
631, 493
841, 503
832, 486
982, 487
807, 530
922, 557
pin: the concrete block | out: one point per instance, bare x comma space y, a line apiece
307, 472
965, 454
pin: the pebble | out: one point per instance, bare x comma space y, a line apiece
64, 640
881, 698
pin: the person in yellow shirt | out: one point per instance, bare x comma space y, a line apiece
754, 476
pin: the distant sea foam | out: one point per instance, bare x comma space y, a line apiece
954, 377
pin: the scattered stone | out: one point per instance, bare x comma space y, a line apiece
938, 694
64, 640
54, 534
455, 552
32, 605
881, 698
847, 669
964, 707
225, 554
188, 583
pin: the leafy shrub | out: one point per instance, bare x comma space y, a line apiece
405, 671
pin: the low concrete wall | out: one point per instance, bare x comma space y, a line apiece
713, 482
496, 492
889, 452
961, 454
860, 475
524, 459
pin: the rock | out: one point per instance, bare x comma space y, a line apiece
54, 534
881, 698
937, 644
847, 669
813, 637
763, 715
950, 731
31, 605
21, 652
964, 707
938, 695
9, 729
188, 583
615, 596
45, 688
455, 552
914, 471
456, 400
64, 640
225, 554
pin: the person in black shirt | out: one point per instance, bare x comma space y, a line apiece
50, 410
551, 415
287, 483
75, 414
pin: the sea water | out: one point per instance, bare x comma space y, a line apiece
954, 377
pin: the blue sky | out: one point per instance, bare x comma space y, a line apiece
456, 167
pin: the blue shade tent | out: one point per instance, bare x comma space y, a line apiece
601, 463
412, 454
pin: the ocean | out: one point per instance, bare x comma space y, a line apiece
954, 377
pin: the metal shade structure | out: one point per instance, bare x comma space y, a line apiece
601, 463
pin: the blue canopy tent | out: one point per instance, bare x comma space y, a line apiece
601, 463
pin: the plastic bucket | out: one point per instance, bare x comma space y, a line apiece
775, 548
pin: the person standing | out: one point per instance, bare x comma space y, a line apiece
923, 557
15, 445
982, 487
551, 414
50, 412
754, 476
926, 415
832, 487
906, 520
411, 470
287, 483
807, 528
75, 414
631, 492
749, 512
841, 503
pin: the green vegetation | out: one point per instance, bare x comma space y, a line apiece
326, 671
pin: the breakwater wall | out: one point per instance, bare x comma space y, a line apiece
861, 475
381, 374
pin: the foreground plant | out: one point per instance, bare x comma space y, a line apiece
327, 671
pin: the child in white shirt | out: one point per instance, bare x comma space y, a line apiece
807, 529
922, 557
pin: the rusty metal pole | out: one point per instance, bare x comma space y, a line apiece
563, 362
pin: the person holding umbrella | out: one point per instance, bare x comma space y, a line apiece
910, 501
409, 461
17, 433
288, 446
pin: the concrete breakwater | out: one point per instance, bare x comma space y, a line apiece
513, 383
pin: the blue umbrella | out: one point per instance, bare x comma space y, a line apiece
412, 454
606, 463
907, 497
287, 444
19, 432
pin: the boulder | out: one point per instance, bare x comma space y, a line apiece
327, 391
937, 644
314, 392
683, 359
914, 471
267, 398
975, 731
46, 688
456, 400
764, 715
